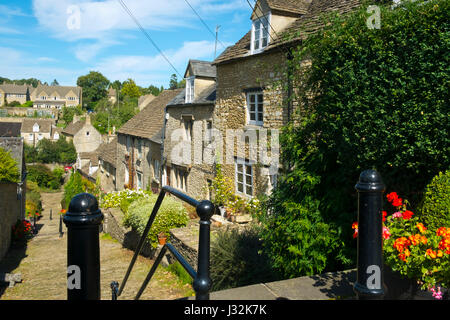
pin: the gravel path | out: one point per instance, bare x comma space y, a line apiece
43, 264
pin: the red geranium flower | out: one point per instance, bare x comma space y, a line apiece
407, 214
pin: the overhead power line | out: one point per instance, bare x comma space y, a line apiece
124, 6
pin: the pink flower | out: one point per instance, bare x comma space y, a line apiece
438, 294
397, 214
386, 233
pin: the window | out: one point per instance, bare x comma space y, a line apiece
139, 180
187, 128
87, 133
128, 143
208, 136
156, 169
180, 179
255, 102
260, 34
189, 90
30, 137
35, 127
139, 148
244, 177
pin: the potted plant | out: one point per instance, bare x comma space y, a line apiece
162, 238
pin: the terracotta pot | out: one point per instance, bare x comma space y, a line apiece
162, 240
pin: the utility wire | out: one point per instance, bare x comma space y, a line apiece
200, 18
147, 35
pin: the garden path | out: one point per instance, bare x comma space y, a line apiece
42, 264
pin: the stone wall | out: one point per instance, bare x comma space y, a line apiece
143, 165
234, 80
10, 212
199, 169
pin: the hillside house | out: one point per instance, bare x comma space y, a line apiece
251, 104
139, 146
187, 163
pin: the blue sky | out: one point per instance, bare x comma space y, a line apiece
64, 39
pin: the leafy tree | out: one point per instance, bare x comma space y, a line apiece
173, 83
30, 153
69, 112
9, 171
54, 83
94, 87
130, 89
61, 151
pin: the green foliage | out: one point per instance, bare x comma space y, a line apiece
75, 185
9, 171
177, 269
69, 112
60, 151
129, 88
114, 115
237, 260
171, 214
44, 177
33, 195
94, 87
30, 152
369, 99
435, 208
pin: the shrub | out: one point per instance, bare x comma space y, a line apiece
43, 176
237, 260
369, 99
171, 214
122, 199
177, 269
435, 207
9, 172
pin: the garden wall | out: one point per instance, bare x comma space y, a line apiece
129, 238
10, 211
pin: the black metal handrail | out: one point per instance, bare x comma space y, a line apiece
202, 280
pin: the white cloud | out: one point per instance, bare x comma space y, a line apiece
145, 69
7, 30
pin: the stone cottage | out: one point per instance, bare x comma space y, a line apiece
251, 104
139, 142
34, 130
188, 164
83, 134
107, 158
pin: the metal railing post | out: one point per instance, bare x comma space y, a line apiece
369, 280
202, 283
83, 249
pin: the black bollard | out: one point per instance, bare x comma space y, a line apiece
51, 214
83, 220
369, 280
202, 283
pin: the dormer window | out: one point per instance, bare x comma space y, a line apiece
35, 127
189, 90
260, 34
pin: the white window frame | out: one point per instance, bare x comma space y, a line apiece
156, 169
190, 87
244, 163
139, 180
258, 105
263, 32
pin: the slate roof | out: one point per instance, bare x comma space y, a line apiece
73, 128
293, 6
61, 90
108, 152
302, 27
148, 123
10, 129
45, 125
201, 68
15, 88
207, 96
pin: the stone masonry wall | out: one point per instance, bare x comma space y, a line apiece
10, 211
199, 168
233, 80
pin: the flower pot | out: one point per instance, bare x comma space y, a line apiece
162, 239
